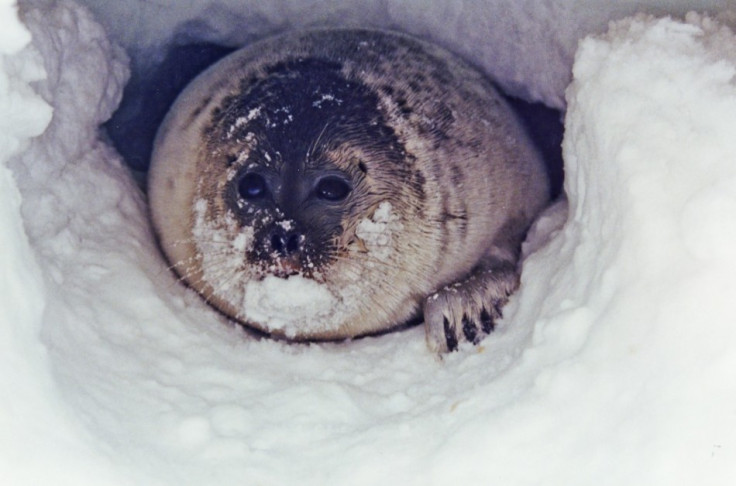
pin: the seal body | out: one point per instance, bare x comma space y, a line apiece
335, 183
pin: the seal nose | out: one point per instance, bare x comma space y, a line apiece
286, 242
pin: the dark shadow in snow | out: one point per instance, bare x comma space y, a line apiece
148, 96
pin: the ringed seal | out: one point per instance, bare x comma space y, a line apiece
335, 183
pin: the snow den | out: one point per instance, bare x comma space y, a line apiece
615, 362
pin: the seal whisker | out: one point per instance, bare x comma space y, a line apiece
226, 281
361, 259
316, 141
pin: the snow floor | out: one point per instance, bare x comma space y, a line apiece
615, 363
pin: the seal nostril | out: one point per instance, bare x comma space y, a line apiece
285, 243
292, 243
277, 243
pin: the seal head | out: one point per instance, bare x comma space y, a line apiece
322, 185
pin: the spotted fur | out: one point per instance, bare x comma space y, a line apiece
403, 122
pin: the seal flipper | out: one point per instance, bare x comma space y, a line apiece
466, 311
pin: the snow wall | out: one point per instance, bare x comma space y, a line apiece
615, 363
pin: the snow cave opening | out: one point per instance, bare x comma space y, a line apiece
122, 376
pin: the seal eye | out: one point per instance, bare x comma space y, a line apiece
252, 186
332, 188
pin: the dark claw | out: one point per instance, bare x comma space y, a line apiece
486, 322
470, 329
497, 308
449, 335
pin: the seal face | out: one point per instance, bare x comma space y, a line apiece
329, 184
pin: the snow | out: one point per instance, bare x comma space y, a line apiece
527, 46
376, 232
614, 364
292, 304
